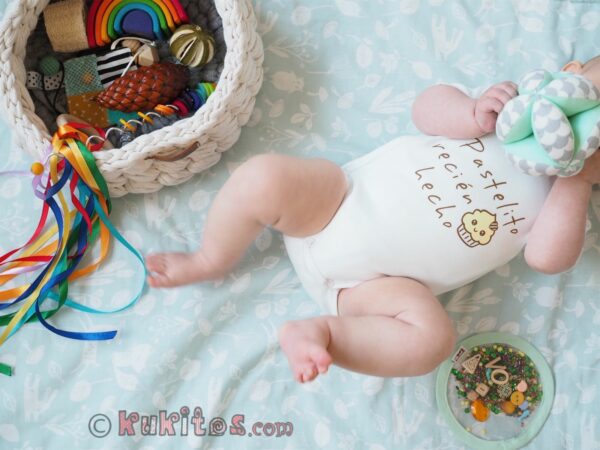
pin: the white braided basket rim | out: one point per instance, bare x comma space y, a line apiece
216, 126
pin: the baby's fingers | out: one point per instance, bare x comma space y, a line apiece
501, 94
490, 104
509, 87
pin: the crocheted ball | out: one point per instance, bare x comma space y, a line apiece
49, 66
553, 125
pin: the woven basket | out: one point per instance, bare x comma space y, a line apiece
194, 143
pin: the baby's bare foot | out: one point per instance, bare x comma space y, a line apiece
305, 342
177, 269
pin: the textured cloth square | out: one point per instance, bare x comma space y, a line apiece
114, 116
112, 64
36, 80
65, 25
84, 107
81, 76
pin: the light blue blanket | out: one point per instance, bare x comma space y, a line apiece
340, 80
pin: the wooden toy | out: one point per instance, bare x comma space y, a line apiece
144, 51
152, 19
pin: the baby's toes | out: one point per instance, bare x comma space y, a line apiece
155, 263
157, 280
299, 372
158, 277
309, 373
323, 362
321, 359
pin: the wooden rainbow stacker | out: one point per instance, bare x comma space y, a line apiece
108, 20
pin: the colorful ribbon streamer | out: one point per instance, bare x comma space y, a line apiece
74, 192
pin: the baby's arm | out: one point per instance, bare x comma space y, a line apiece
557, 237
443, 110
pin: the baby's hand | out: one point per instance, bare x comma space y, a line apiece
489, 105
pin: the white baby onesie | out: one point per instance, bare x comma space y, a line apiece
441, 211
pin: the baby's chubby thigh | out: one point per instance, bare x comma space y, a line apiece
295, 196
429, 333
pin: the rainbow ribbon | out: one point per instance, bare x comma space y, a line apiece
70, 167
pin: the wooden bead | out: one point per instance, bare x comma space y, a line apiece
37, 168
499, 372
471, 364
131, 44
482, 389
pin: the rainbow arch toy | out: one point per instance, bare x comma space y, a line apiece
153, 19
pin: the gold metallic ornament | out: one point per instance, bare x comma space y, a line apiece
192, 46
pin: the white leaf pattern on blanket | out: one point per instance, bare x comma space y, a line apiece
568, 359
443, 45
264, 240
241, 283
592, 343
587, 393
372, 385
36, 403
260, 390
404, 427
157, 209
384, 104
422, 394
280, 284
510, 327
81, 391
322, 434
9, 402
549, 297
535, 325
486, 324
128, 365
408, 7
8, 432
590, 437
459, 302
348, 7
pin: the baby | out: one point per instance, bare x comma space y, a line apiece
375, 241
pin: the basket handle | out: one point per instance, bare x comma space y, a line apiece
178, 154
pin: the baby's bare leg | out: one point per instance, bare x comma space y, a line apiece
557, 237
388, 326
295, 196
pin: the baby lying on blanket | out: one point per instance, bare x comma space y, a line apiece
376, 240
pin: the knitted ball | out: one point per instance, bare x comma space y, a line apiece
49, 66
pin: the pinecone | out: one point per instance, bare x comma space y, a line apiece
146, 87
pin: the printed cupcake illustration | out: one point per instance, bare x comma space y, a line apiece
477, 227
